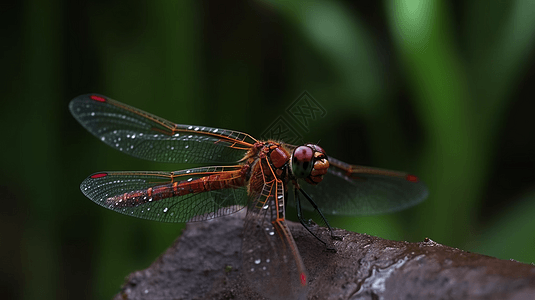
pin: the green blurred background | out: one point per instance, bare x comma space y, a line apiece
441, 89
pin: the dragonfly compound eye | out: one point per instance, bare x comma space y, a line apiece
302, 161
310, 163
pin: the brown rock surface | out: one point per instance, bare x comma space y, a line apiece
204, 263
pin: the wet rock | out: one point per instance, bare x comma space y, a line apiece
205, 263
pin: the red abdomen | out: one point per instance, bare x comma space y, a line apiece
179, 188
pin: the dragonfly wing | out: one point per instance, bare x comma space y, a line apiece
147, 136
356, 190
271, 261
153, 196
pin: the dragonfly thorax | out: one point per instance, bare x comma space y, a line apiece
309, 162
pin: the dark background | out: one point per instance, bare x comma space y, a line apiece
441, 89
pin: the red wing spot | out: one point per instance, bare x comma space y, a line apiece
303, 279
412, 178
97, 98
99, 175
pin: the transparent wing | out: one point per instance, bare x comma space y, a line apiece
147, 136
168, 196
357, 190
271, 261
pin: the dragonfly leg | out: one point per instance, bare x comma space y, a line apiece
316, 208
329, 246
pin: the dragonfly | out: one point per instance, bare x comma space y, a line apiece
248, 173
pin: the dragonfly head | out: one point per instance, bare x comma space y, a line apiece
309, 162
